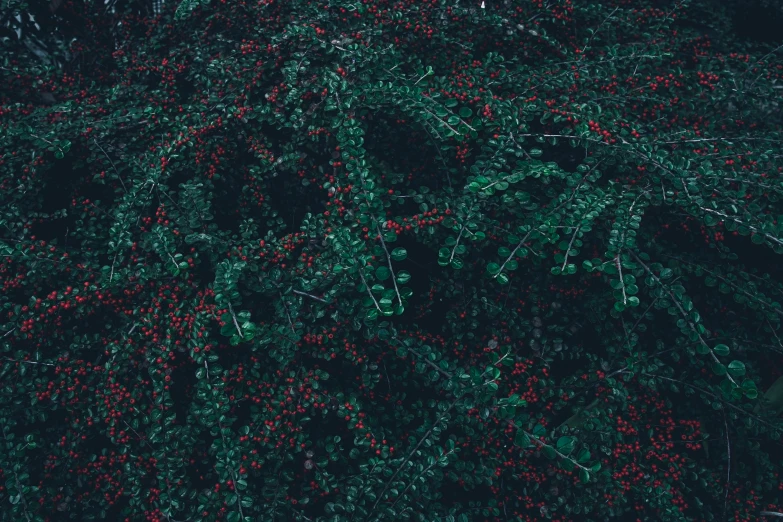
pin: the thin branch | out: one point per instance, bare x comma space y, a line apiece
112, 165
452, 129
285, 307
431, 364
388, 260
728, 282
236, 323
361, 274
596, 31
111, 275
233, 474
742, 223
461, 230
620, 273
410, 455
143, 439
513, 252
717, 398
311, 296
27, 362
683, 313
412, 482
540, 444
728, 459
570, 244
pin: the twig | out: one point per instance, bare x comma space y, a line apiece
233, 474
728, 470
620, 272
27, 362
565, 260
717, 398
730, 283
236, 324
361, 274
412, 482
311, 296
143, 439
511, 255
684, 314
596, 31
431, 364
410, 455
388, 260
388, 381
452, 129
540, 444
111, 275
285, 307
459, 236
112, 165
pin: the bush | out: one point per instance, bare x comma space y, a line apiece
366, 261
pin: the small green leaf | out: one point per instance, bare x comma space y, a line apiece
584, 456
399, 254
721, 349
522, 440
736, 368
566, 444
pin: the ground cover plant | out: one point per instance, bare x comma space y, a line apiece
389, 260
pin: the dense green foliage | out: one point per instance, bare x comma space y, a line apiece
374, 260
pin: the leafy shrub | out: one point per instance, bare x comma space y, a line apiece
360, 261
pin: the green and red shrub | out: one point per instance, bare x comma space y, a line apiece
374, 260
